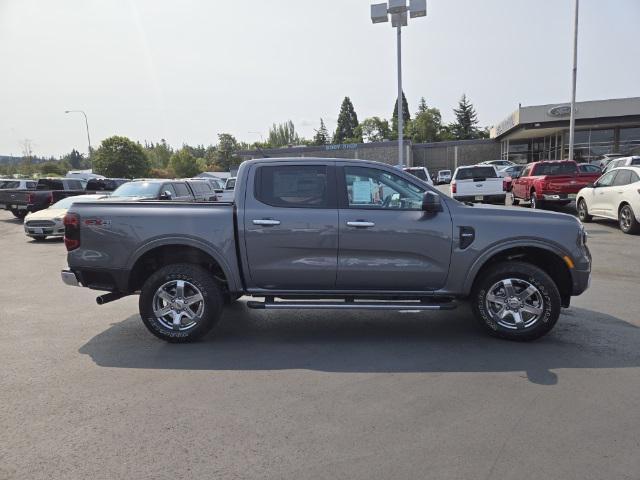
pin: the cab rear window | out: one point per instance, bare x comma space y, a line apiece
476, 172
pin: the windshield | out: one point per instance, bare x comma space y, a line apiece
475, 173
551, 169
418, 172
138, 189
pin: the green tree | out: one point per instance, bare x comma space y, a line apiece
283, 134
55, 168
226, 156
184, 164
406, 118
427, 124
158, 154
74, 160
120, 157
375, 129
347, 129
466, 125
322, 135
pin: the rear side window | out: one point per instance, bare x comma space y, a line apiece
50, 184
74, 184
9, 184
635, 161
182, 190
634, 177
623, 178
293, 186
476, 172
566, 168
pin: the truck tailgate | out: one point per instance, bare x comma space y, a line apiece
479, 186
14, 197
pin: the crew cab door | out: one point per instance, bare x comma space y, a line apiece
520, 187
387, 242
291, 226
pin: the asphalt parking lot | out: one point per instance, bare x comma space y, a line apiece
87, 392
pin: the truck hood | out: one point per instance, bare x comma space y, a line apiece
515, 212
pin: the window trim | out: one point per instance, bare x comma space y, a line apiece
343, 197
331, 186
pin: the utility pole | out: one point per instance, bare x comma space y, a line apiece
572, 118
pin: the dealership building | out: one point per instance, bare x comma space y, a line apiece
529, 134
541, 132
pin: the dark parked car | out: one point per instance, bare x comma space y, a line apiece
47, 192
318, 233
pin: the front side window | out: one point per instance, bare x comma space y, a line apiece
293, 186
607, 179
181, 190
379, 189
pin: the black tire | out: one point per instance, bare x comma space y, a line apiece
547, 295
515, 202
19, 213
627, 220
39, 238
535, 202
583, 211
197, 277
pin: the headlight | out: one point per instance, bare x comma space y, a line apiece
58, 219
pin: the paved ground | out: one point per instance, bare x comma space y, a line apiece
86, 392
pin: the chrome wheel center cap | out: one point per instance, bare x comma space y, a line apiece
514, 303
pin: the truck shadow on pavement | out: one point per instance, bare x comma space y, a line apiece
372, 342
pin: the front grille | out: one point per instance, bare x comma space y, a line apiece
40, 223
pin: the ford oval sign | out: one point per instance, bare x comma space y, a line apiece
560, 111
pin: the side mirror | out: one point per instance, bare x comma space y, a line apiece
166, 195
431, 203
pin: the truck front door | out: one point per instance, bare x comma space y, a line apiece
291, 226
387, 242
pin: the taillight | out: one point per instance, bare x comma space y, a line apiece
50, 198
504, 185
454, 188
71, 231
30, 198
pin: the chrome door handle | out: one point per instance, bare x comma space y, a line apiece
361, 224
267, 222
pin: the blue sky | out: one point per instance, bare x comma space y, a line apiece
188, 70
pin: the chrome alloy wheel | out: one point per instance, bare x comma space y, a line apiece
625, 219
178, 305
514, 303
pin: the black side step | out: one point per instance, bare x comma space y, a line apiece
270, 304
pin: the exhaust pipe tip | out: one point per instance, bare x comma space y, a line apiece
109, 297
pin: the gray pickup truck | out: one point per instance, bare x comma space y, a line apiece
328, 234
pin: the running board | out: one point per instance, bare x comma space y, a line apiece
351, 305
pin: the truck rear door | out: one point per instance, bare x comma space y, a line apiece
291, 226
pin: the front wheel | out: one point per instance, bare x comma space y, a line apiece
627, 220
180, 303
583, 211
516, 301
19, 213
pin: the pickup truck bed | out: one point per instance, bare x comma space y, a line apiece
327, 234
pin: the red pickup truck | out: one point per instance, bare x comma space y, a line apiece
550, 182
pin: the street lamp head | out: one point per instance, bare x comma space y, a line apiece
418, 8
379, 13
399, 19
397, 6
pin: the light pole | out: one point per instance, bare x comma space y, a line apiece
86, 122
398, 10
572, 118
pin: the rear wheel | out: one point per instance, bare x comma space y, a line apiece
180, 303
516, 301
627, 220
583, 212
535, 202
19, 213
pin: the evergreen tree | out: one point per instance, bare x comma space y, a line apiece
346, 131
466, 125
283, 134
406, 118
322, 135
427, 124
422, 106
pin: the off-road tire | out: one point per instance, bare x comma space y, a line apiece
196, 275
529, 273
19, 213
